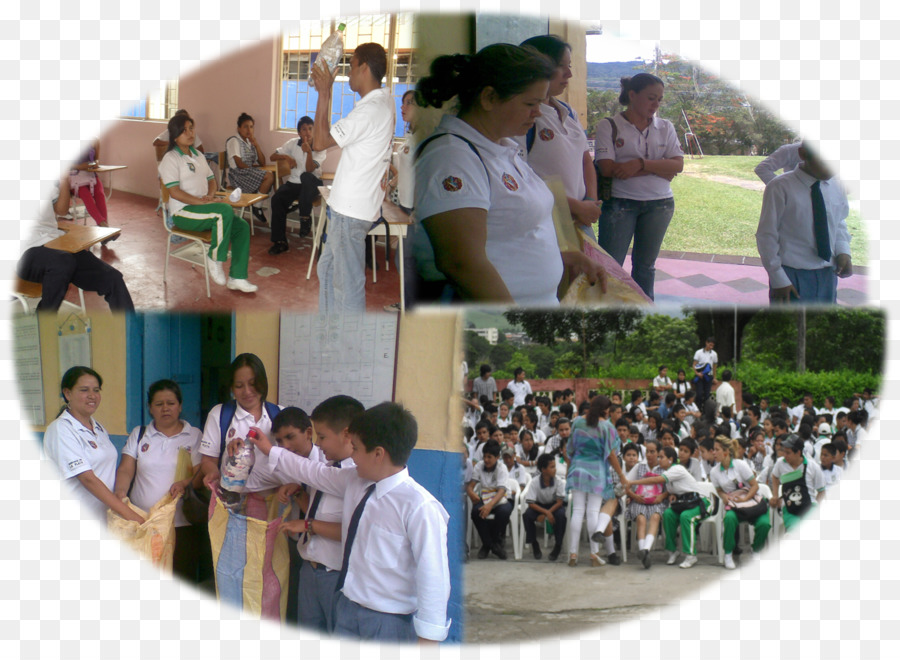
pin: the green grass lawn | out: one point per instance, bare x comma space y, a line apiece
718, 218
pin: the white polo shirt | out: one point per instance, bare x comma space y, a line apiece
492, 481
164, 136
558, 149
46, 228
365, 137
261, 477
521, 239
75, 449
157, 457
293, 149
727, 480
189, 171
656, 142
815, 479
331, 509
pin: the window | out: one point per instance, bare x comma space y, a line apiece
299, 47
161, 103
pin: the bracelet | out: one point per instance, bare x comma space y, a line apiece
309, 527
642, 164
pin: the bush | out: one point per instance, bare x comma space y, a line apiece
777, 383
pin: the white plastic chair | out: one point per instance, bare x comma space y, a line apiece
515, 495
717, 521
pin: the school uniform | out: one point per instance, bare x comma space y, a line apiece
521, 239
680, 481
76, 449
491, 531
530, 469
191, 173
56, 269
519, 474
261, 477
249, 178
832, 475
799, 487
520, 390
322, 557
729, 480
301, 187
663, 382
703, 358
365, 137
396, 573
725, 396
786, 239
545, 496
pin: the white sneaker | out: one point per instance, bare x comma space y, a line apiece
689, 561
393, 307
729, 562
241, 285
673, 557
215, 271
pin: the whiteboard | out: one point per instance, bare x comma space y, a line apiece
321, 356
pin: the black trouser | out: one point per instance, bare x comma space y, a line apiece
192, 560
305, 193
56, 269
559, 524
491, 531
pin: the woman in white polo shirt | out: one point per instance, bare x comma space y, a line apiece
147, 470
643, 158
80, 447
194, 206
487, 214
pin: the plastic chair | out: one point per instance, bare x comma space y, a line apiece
519, 509
194, 248
514, 494
717, 521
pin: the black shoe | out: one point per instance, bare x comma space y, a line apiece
498, 550
536, 549
305, 226
554, 554
645, 559
614, 559
484, 552
112, 238
279, 247
259, 215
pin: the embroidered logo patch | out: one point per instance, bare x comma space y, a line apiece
145, 447
92, 444
230, 433
406, 150
620, 143
191, 167
78, 462
546, 134
452, 184
510, 182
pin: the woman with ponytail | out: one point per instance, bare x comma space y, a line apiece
487, 214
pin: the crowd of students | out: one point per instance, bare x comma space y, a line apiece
652, 456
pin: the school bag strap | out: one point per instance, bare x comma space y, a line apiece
431, 138
227, 414
529, 136
604, 183
140, 435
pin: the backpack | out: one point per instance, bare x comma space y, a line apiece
604, 183
227, 414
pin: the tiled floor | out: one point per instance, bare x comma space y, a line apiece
140, 254
681, 278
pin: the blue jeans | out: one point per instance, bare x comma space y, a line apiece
342, 265
646, 222
814, 286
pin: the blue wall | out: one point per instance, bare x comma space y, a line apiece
441, 472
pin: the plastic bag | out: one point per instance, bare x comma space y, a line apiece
155, 538
251, 558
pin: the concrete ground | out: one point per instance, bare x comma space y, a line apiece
509, 601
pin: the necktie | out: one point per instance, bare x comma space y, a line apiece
351, 534
820, 223
311, 514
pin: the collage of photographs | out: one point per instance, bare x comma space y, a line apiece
444, 313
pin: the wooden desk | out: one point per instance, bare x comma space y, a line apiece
79, 237
109, 169
247, 199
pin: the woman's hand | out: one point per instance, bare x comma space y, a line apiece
580, 263
133, 515
585, 212
178, 488
627, 169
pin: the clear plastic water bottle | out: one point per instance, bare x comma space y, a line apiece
235, 473
331, 53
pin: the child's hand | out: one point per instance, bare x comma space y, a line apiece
211, 479
286, 492
293, 527
485, 511
234, 446
261, 441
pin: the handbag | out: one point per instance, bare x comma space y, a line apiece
195, 504
748, 510
687, 501
604, 183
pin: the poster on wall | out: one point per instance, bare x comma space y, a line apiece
74, 343
321, 356
27, 359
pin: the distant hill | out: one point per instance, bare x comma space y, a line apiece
606, 75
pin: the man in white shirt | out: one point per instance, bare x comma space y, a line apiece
785, 158
705, 361
365, 137
725, 393
802, 236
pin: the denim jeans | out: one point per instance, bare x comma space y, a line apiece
646, 222
814, 286
342, 265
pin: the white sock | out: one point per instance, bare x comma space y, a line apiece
603, 522
609, 543
648, 541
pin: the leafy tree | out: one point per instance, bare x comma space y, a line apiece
520, 359
543, 358
478, 350
660, 339
501, 354
600, 104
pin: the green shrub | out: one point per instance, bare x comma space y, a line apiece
777, 383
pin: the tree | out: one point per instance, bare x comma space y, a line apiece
600, 104
543, 358
722, 325
478, 349
501, 354
661, 339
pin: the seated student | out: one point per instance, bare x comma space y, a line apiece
543, 411
302, 186
557, 444
801, 480
162, 140
482, 435
507, 397
546, 496
668, 438
527, 452
690, 404
492, 413
320, 540
654, 402
646, 503
757, 452
395, 587
764, 476
830, 470
708, 461
840, 451
56, 269
686, 450
510, 436
491, 474
653, 423
667, 403
686, 507
473, 410
615, 412
631, 456
504, 418
516, 471
679, 414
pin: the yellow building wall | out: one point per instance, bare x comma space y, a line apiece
107, 359
258, 333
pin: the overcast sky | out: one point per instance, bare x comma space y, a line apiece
609, 48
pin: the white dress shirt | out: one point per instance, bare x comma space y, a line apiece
331, 509
785, 157
400, 561
785, 236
